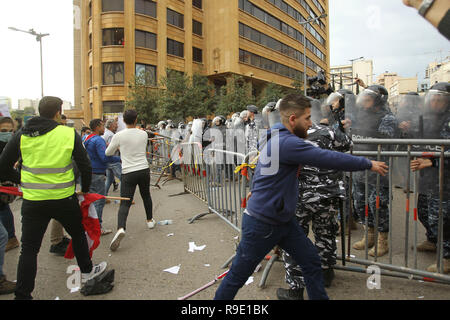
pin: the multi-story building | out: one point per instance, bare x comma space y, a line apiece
399, 87
387, 79
261, 40
362, 69
438, 71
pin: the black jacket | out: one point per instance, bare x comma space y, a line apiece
38, 126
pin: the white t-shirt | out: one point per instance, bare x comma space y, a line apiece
133, 149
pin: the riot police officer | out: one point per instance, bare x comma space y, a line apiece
373, 118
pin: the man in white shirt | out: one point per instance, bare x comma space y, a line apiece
114, 169
135, 172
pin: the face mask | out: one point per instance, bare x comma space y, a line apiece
5, 136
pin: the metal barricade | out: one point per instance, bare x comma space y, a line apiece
193, 170
397, 270
161, 157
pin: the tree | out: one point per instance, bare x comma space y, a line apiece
143, 98
298, 85
235, 96
272, 93
184, 96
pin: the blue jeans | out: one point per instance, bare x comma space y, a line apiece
258, 238
3, 241
98, 186
114, 170
7, 219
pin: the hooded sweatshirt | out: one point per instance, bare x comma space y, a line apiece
275, 192
35, 127
96, 147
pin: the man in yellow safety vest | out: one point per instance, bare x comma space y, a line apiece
45, 151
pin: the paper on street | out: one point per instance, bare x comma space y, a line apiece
174, 269
193, 246
249, 280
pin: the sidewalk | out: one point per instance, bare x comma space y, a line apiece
144, 254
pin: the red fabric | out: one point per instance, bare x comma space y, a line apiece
11, 190
90, 223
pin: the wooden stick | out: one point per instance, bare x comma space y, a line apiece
108, 197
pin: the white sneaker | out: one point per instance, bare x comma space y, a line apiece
115, 243
97, 270
151, 224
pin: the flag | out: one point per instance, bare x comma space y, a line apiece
11, 190
90, 223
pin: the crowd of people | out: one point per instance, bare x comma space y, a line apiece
48, 159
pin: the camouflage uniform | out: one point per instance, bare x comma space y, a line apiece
378, 125
319, 194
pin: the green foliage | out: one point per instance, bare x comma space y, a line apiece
272, 93
177, 97
234, 97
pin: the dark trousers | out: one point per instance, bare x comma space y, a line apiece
128, 185
35, 218
258, 238
7, 219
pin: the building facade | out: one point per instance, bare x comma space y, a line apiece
401, 86
438, 71
344, 75
261, 40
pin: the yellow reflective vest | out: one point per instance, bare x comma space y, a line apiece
47, 170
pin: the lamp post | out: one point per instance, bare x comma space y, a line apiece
304, 23
39, 37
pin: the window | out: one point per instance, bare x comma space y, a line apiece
113, 37
147, 71
197, 3
145, 39
90, 41
175, 18
269, 65
146, 7
197, 27
113, 73
90, 9
112, 5
113, 106
197, 54
176, 48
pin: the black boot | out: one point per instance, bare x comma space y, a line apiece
60, 248
290, 294
328, 276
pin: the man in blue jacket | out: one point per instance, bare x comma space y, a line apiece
269, 219
96, 147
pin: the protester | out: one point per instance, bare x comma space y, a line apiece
269, 218
114, 169
436, 12
132, 143
320, 191
96, 147
48, 186
8, 238
6, 216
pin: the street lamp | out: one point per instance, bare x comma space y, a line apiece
304, 23
39, 37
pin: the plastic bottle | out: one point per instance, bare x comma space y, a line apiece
165, 222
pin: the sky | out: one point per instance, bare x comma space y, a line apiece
395, 37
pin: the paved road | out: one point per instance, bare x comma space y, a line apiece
144, 254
